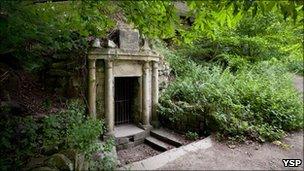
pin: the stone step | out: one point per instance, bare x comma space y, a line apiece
157, 144
165, 136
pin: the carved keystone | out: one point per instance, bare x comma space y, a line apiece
129, 40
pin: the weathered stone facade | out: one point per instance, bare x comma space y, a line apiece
164, 76
126, 60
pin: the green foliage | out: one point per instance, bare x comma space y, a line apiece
51, 39
69, 129
256, 101
213, 16
264, 37
106, 162
237, 82
37, 29
295, 60
160, 16
19, 139
192, 135
47, 30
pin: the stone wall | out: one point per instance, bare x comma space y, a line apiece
164, 75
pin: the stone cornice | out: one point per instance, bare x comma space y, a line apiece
118, 54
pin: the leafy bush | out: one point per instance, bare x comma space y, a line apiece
256, 39
19, 140
237, 83
295, 61
256, 101
23, 138
191, 135
71, 129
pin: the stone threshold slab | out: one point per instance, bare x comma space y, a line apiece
162, 159
126, 130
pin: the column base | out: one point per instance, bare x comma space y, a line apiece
109, 134
147, 127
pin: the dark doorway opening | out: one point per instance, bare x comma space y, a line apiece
124, 99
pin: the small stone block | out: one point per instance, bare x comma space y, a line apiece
138, 142
140, 136
129, 40
120, 141
125, 146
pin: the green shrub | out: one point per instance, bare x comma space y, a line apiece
19, 140
70, 129
191, 135
256, 39
22, 138
295, 61
256, 101
237, 83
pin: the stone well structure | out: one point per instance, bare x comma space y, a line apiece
124, 81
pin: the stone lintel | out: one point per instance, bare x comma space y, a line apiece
118, 54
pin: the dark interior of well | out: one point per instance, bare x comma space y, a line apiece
126, 91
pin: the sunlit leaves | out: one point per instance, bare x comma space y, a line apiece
153, 18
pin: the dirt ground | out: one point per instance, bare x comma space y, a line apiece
136, 153
252, 156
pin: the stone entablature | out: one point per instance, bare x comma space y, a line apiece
119, 54
127, 60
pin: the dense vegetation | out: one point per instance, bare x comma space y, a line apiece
62, 132
51, 39
240, 83
232, 71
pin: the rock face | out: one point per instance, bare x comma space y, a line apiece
36, 163
44, 169
60, 161
77, 159
163, 75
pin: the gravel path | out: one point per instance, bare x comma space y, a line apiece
136, 153
250, 156
298, 82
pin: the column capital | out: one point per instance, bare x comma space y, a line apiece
92, 63
155, 65
146, 65
109, 63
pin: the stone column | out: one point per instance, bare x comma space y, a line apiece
155, 94
145, 95
109, 97
92, 88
